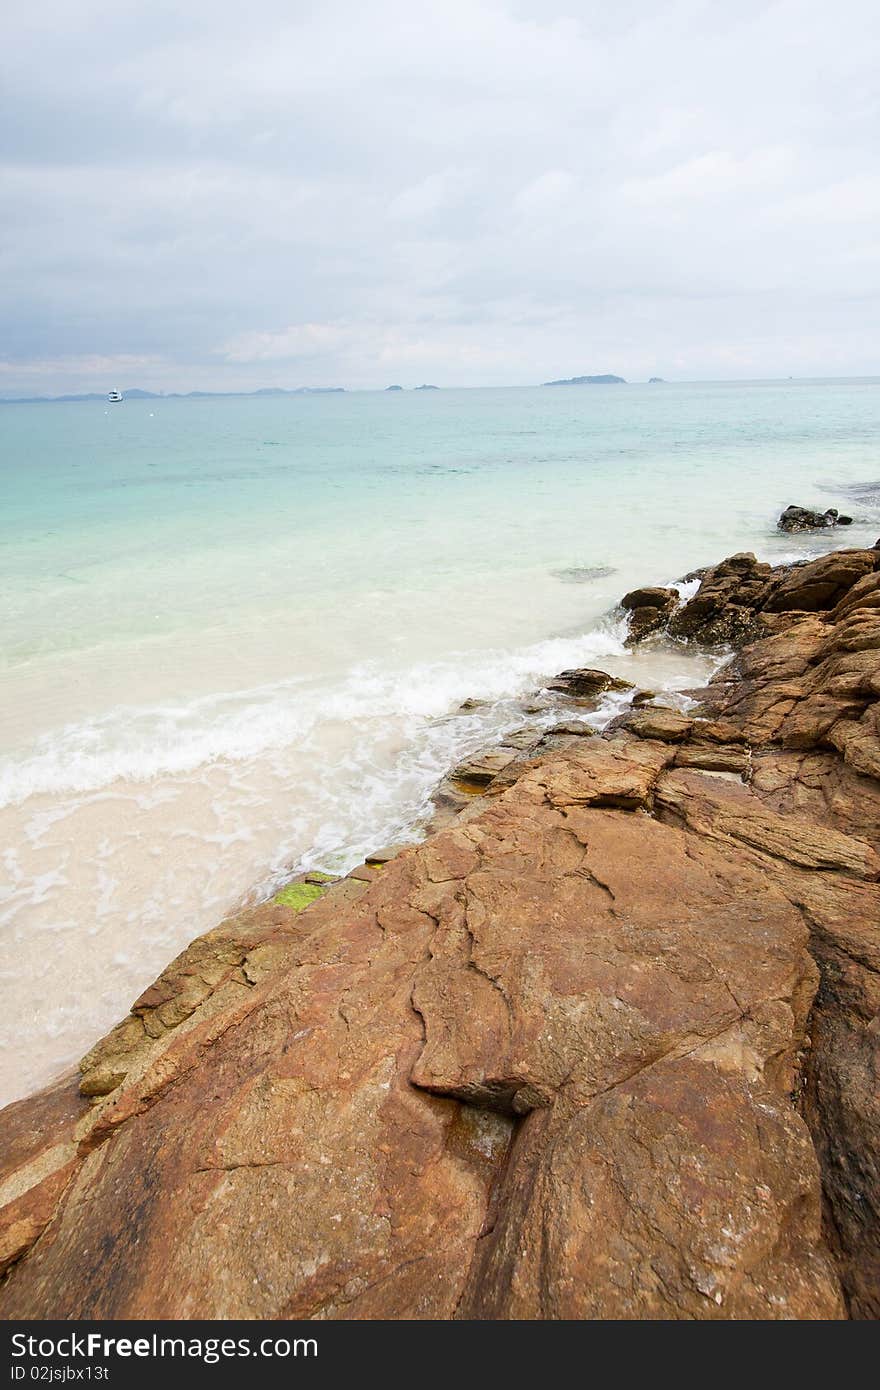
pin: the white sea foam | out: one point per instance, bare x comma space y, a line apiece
139, 743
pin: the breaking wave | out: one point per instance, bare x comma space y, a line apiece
137, 743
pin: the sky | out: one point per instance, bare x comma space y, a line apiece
473, 192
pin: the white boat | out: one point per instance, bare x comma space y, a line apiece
114, 396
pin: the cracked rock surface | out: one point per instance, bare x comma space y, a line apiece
605, 1046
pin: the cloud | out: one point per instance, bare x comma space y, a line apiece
547, 194
78, 369
477, 191
299, 340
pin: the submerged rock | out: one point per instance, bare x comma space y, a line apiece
583, 574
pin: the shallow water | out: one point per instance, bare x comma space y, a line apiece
235, 632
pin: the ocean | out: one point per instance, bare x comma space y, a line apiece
235, 633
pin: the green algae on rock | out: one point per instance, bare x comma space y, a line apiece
299, 895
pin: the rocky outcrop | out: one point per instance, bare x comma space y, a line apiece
723, 610
805, 699
604, 1046
802, 519
738, 600
438, 1105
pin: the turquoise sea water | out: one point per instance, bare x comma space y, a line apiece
234, 632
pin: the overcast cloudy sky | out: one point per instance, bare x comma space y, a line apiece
289, 192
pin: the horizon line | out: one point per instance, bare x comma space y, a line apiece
136, 392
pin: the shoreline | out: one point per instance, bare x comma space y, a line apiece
413, 754
274, 887
726, 788
163, 752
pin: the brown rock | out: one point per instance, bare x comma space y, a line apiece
600, 1188
337, 1139
644, 621
524, 739
859, 741
822, 583
718, 731
735, 815
842, 1106
382, 856
482, 767
724, 608
737, 600
587, 681
812, 686
363, 873
649, 598
715, 757
856, 632
649, 610
570, 728
214, 970
863, 594
655, 721
819, 786
37, 1163
842, 908
603, 773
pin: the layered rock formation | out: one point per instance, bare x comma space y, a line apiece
603, 1046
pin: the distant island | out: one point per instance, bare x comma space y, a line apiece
427, 388
276, 391
136, 395
263, 391
606, 380
656, 381
393, 388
